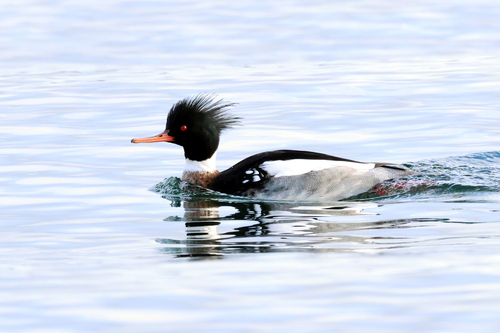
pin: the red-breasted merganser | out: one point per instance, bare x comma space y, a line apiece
196, 124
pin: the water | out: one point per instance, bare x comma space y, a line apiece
98, 234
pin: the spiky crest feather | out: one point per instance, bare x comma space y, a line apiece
205, 105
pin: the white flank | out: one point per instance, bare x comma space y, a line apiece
206, 165
300, 166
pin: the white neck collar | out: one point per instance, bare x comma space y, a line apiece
207, 165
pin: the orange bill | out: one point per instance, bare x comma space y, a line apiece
162, 137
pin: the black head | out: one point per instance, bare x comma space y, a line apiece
195, 123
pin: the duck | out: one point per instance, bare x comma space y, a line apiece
196, 123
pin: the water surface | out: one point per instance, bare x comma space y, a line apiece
98, 235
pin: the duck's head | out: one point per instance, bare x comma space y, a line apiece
195, 123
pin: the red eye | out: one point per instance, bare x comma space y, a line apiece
183, 128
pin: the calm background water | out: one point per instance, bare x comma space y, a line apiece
94, 240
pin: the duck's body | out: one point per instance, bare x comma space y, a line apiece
196, 124
301, 175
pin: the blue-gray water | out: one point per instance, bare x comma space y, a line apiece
97, 235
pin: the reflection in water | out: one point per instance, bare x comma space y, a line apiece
276, 227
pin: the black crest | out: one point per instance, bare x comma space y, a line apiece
206, 107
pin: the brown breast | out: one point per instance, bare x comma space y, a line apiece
202, 178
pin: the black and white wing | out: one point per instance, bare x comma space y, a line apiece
253, 175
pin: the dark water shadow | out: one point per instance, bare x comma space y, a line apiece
265, 227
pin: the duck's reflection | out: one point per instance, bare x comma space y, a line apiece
256, 227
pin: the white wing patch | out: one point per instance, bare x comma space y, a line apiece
296, 167
254, 174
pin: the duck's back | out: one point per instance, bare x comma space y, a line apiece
302, 175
